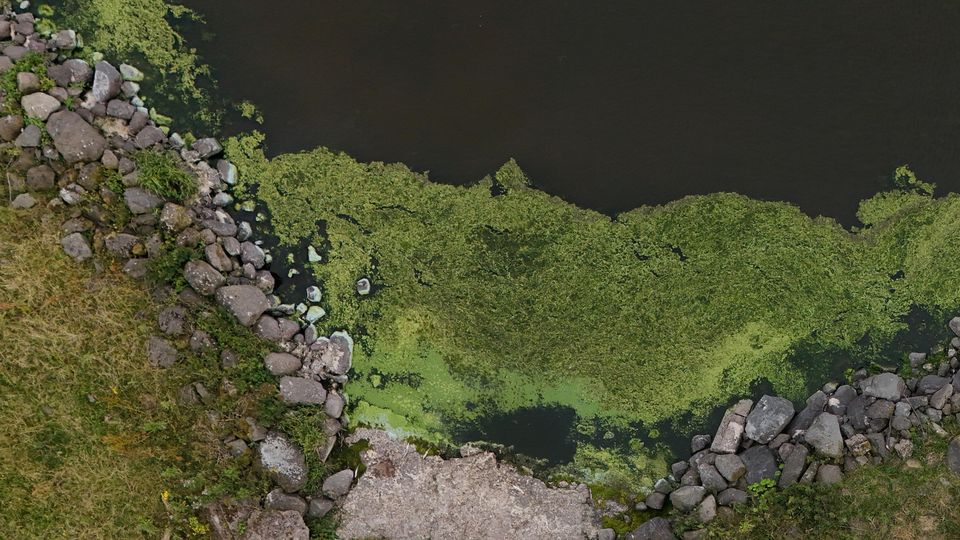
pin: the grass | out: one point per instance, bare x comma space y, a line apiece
888, 501
33, 62
162, 174
94, 437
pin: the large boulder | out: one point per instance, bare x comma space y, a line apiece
106, 82
246, 302
202, 277
884, 386
824, 436
74, 138
283, 462
657, 528
301, 391
730, 466
768, 418
730, 432
760, 464
276, 525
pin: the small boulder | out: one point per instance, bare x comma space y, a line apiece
760, 464
768, 418
39, 105
953, 452
338, 356
106, 82
76, 246
160, 352
319, 507
207, 147
141, 201
276, 525
338, 484
246, 302
930, 384
730, 431
283, 461
282, 363
824, 435
277, 499
23, 201
301, 391
829, 474
887, 386
202, 277
686, 498
74, 138
730, 466
657, 528
334, 404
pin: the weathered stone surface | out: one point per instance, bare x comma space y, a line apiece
881, 408
175, 217
857, 412
730, 466
338, 357
940, 397
76, 246
41, 178
106, 82
29, 137
768, 418
707, 510
699, 442
301, 391
283, 462
334, 404
120, 244
480, 499
731, 496
148, 137
251, 253
74, 138
829, 474
760, 464
686, 498
793, 466
218, 258
207, 147
282, 363
10, 127
824, 436
711, 479
953, 449
39, 105
277, 499
23, 201
173, 320
160, 352
657, 528
319, 507
202, 277
245, 302
887, 386
338, 485
141, 201
930, 384
71, 72
276, 525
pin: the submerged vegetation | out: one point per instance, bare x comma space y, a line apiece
497, 296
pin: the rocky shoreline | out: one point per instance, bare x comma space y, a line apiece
79, 139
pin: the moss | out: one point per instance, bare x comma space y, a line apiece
162, 174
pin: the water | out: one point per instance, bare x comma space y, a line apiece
610, 105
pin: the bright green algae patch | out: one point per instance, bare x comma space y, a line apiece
493, 302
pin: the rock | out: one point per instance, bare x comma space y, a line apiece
41, 178
760, 464
707, 510
953, 449
222, 199
711, 479
29, 137
276, 525
119, 108
207, 148
829, 474
955, 325
338, 357
283, 461
72, 72
106, 82
39, 105
657, 528
319, 507
881, 408
28, 82
903, 448
730, 466
887, 386
338, 484
607, 534
175, 217
201, 341
161, 352
218, 258
228, 172
245, 302
768, 418
699, 442
727, 439
917, 359
23, 201
149, 137
686, 498
282, 363
805, 417
656, 500
940, 397
930, 384
858, 445
251, 253
74, 138
824, 435
793, 466
76, 246
334, 404
120, 244
680, 467
313, 294
837, 404
731, 496
901, 423
141, 201
663, 486
277, 499
300, 391
202, 277
173, 320
130, 73
10, 127
363, 287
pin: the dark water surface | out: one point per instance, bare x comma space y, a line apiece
612, 104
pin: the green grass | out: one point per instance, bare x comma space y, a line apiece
163, 174
32, 62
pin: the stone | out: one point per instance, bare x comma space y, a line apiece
768, 418
901, 423
707, 510
334, 404
363, 287
74, 138
889, 386
236, 447
939, 398
10, 127
160, 352
41, 178
824, 436
246, 302
793, 466
858, 445
731, 497
227, 171
881, 408
711, 479
607, 534
760, 464
338, 484
955, 325
120, 244
251, 253
657, 528
917, 359
837, 403
730, 466
730, 431
953, 449
903, 448
277, 499
39, 105
656, 500
222, 199
314, 314
106, 82
857, 412
930, 384
130, 73
276, 525
218, 258
314, 295
282, 363
174, 217
119, 108
338, 356
207, 147
149, 137
680, 467
202, 277
301, 391
23, 201
71, 72
283, 462
829, 474
29, 137
319, 507
686, 498
173, 320
268, 328
76, 246
28, 82
803, 419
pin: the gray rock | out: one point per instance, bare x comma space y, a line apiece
805, 417
149, 137
900, 423
201, 341
955, 325
161, 352
218, 258
857, 413
39, 105
680, 467
837, 403
656, 500
175, 217
282, 363
707, 510
231, 245
730, 432
222, 199
760, 464
246, 302
277, 499
23, 201
10, 127
136, 268
130, 73
657, 528
338, 484
300, 391
173, 320
824, 435
119, 108
731, 497
768, 418
74, 138
338, 356
28, 82
793, 466
686, 498
881, 408
887, 386
319, 507
276, 525
29, 137
251, 253
334, 404
363, 287
283, 462
953, 449
930, 384
106, 82
268, 328
71, 72
711, 479
41, 178
730, 466
76, 246
829, 474
120, 244
228, 172
141, 201
607, 534
811, 473
207, 148
202, 277
939, 398
917, 359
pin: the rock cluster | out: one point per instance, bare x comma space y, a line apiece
840, 427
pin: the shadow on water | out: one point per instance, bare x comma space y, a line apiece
544, 432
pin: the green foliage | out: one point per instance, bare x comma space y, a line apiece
305, 426
249, 372
907, 180
33, 62
164, 175
167, 267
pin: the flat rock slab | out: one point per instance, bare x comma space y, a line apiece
276, 525
406, 496
768, 418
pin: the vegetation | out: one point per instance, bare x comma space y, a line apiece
32, 62
162, 174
